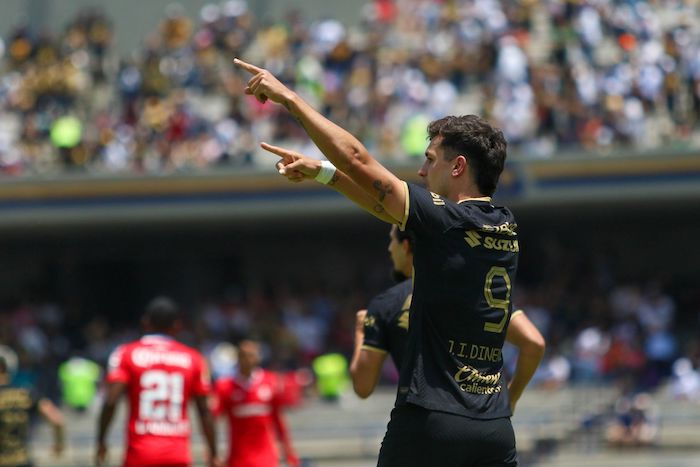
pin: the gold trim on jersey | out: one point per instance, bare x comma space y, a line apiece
437, 199
373, 349
407, 204
482, 198
403, 321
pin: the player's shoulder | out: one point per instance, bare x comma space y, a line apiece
385, 306
224, 383
195, 356
403, 288
268, 375
396, 291
384, 301
446, 214
182, 347
125, 348
122, 354
485, 208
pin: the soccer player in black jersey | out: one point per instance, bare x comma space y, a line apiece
452, 406
17, 407
382, 328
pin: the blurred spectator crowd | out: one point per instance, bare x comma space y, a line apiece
599, 329
557, 76
603, 329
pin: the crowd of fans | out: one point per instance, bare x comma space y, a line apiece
555, 75
599, 328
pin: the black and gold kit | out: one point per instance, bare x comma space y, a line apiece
465, 260
17, 406
387, 321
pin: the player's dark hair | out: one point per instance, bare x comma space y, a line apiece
161, 314
474, 138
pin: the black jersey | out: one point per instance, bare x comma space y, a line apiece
465, 259
17, 405
386, 322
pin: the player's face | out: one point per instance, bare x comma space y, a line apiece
394, 249
436, 169
248, 356
397, 251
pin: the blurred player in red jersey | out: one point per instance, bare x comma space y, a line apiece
252, 399
160, 376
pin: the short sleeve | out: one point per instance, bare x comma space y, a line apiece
376, 338
427, 212
117, 367
289, 391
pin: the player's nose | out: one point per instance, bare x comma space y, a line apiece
422, 172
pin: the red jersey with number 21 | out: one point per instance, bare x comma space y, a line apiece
161, 376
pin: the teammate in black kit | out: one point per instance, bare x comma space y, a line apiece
382, 328
452, 408
17, 407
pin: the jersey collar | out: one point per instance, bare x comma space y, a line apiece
483, 198
156, 337
255, 376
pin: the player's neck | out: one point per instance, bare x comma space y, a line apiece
247, 374
460, 192
466, 195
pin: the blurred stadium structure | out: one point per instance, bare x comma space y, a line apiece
158, 188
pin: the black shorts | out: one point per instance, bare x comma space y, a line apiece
422, 438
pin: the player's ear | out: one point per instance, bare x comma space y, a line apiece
459, 165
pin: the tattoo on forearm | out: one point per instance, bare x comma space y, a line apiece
383, 189
335, 179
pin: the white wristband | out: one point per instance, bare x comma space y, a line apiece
326, 173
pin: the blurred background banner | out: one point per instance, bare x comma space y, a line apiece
229, 194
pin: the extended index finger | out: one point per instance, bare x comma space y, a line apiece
247, 66
283, 153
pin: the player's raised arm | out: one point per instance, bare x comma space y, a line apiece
297, 167
345, 151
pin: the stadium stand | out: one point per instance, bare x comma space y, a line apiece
559, 77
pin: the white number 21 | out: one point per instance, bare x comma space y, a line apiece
162, 396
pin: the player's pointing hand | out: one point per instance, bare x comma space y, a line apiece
293, 165
263, 84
